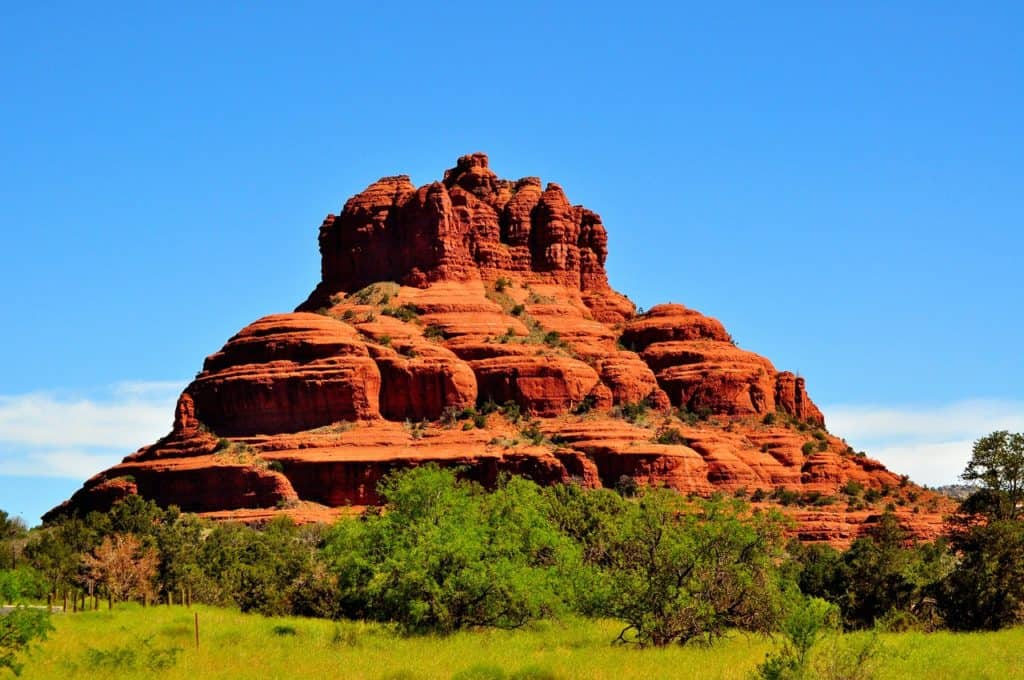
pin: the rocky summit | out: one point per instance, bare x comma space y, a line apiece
470, 323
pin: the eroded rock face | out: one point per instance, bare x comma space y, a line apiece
285, 373
469, 226
469, 322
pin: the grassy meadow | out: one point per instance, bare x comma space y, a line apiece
134, 642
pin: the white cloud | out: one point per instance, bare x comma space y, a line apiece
51, 434
932, 444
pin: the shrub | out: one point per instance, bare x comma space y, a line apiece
445, 555
633, 411
678, 572
407, 312
786, 496
517, 310
18, 630
533, 434
128, 658
802, 629
852, 488
416, 430
449, 415
986, 589
511, 410
434, 332
692, 417
21, 584
502, 283
586, 405
670, 435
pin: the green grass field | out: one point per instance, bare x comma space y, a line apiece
132, 642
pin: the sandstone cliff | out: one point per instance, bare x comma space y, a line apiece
470, 322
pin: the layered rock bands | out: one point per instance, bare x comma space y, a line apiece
470, 322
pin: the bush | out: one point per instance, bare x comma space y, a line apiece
586, 405
511, 410
692, 417
434, 332
125, 657
22, 584
879, 577
407, 312
533, 434
801, 629
786, 496
445, 555
671, 435
18, 630
852, 488
554, 339
678, 572
985, 591
633, 411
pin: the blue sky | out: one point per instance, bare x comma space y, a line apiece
840, 186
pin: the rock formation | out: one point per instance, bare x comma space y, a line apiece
470, 322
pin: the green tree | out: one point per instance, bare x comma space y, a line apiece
18, 630
179, 541
997, 464
56, 551
679, 571
21, 585
881, 576
12, 533
254, 569
986, 589
445, 555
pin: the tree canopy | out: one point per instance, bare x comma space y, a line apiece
997, 464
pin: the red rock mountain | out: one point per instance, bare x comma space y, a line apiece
470, 322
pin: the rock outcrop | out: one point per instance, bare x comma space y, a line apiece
470, 322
